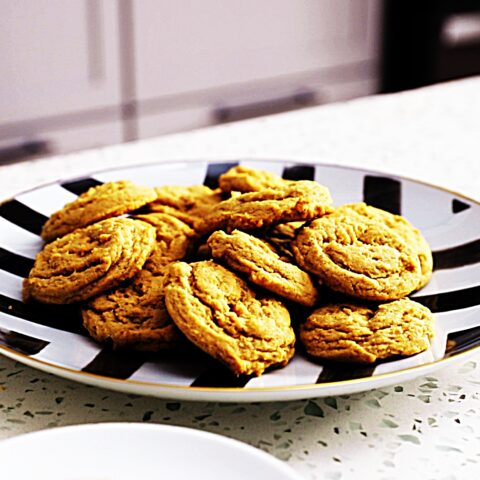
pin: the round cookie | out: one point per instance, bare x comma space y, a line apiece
263, 266
246, 179
133, 316
405, 229
357, 256
186, 203
218, 312
354, 333
90, 260
302, 200
98, 203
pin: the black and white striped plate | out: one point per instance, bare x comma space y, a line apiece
52, 339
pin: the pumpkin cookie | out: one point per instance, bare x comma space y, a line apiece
405, 229
354, 333
302, 200
245, 179
98, 203
263, 266
219, 313
90, 260
134, 316
357, 256
186, 203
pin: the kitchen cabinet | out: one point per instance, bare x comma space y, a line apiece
199, 57
59, 72
86, 73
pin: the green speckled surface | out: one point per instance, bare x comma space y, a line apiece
428, 428
431, 424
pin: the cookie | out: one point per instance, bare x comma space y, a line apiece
134, 315
354, 333
357, 256
175, 240
90, 260
245, 179
302, 200
186, 203
98, 203
405, 229
218, 312
256, 259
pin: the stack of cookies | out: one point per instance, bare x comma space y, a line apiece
161, 268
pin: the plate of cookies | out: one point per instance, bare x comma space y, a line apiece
247, 280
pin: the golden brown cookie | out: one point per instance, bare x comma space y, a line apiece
357, 256
354, 333
219, 313
134, 315
98, 203
246, 179
175, 240
302, 200
405, 229
186, 203
90, 260
263, 266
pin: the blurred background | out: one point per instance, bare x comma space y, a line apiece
78, 74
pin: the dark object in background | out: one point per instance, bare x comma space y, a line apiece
428, 42
24, 151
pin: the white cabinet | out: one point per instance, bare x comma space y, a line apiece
186, 46
59, 68
197, 56
84, 73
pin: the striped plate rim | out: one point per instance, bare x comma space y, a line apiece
331, 384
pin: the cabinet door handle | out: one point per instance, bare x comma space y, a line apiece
230, 113
95, 40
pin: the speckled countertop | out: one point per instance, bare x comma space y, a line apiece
428, 428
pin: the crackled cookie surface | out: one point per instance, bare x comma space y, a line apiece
354, 333
134, 315
302, 200
186, 203
219, 313
263, 266
90, 260
357, 256
98, 203
405, 229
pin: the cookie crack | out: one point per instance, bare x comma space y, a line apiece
236, 334
66, 273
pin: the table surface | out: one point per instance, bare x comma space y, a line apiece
428, 428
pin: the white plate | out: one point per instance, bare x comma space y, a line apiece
127, 451
51, 339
